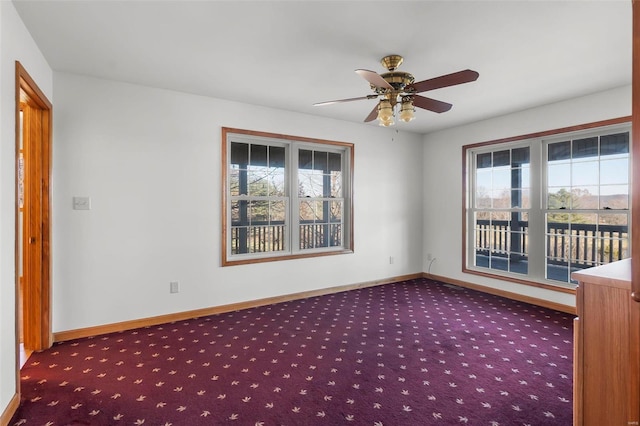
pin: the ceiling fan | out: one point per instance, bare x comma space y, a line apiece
395, 87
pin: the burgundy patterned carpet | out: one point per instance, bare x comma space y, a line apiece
410, 353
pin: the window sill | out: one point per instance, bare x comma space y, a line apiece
263, 259
559, 287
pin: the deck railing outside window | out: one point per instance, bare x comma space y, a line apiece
265, 237
583, 245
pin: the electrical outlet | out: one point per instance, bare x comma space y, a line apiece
391, 260
174, 287
429, 256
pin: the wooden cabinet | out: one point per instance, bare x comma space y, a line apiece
607, 348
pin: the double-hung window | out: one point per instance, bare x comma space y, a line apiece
284, 197
587, 202
501, 209
541, 207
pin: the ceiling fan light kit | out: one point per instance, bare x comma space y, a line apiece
406, 109
385, 113
399, 87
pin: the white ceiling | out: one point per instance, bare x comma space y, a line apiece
291, 54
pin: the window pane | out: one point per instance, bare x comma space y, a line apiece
501, 241
615, 219
559, 174
583, 148
595, 182
239, 240
307, 213
277, 212
614, 197
314, 236
501, 158
321, 211
258, 155
336, 184
559, 151
263, 239
557, 247
519, 258
614, 171
276, 157
577, 241
613, 233
501, 199
335, 238
526, 176
310, 183
305, 159
239, 211
335, 162
258, 184
483, 179
234, 182
334, 170
497, 185
483, 199
259, 212
614, 144
278, 238
319, 174
520, 156
276, 183
482, 233
520, 185
240, 154
584, 198
526, 199
500, 227
583, 231
583, 250
520, 198
335, 211
584, 173
315, 231
483, 160
558, 198
501, 178
320, 161
307, 236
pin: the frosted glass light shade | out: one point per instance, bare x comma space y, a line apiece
406, 111
385, 113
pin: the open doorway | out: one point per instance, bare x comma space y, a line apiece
33, 230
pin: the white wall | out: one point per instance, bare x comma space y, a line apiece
443, 177
150, 161
15, 44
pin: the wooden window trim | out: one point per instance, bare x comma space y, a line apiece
225, 261
465, 194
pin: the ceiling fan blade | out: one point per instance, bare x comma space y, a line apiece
374, 78
459, 77
345, 100
372, 115
431, 104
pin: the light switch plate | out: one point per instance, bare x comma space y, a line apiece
82, 203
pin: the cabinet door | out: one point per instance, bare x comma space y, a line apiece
606, 367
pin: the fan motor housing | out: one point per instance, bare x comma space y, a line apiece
397, 79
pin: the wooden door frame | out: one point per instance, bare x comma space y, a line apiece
635, 134
27, 91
